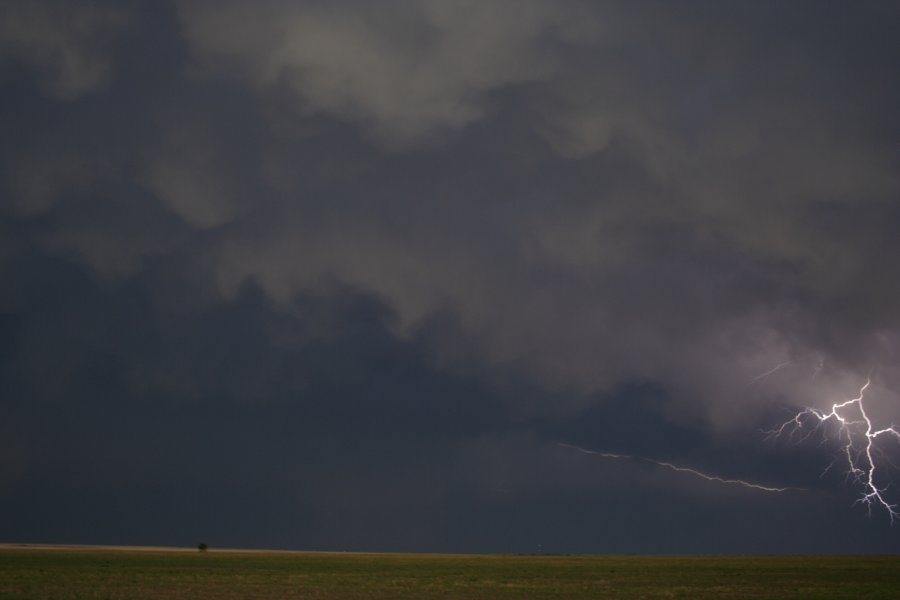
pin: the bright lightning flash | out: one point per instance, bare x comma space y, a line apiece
859, 438
679, 469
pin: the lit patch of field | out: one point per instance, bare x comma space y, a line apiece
79, 573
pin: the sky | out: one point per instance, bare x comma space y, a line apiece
394, 276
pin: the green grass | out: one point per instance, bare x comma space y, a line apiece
110, 574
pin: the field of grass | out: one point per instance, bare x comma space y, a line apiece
111, 574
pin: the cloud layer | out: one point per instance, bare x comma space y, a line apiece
678, 199
556, 203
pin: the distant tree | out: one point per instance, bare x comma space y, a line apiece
202, 547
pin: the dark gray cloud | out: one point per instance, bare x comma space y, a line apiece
713, 153
396, 253
65, 45
404, 70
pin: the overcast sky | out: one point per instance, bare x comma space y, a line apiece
345, 275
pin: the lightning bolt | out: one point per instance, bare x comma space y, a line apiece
680, 469
859, 438
762, 377
772, 371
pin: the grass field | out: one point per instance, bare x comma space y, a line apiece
112, 574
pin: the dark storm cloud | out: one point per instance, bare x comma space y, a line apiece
399, 251
67, 46
402, 69
684, 195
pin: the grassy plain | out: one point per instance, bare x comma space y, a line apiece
120, 574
